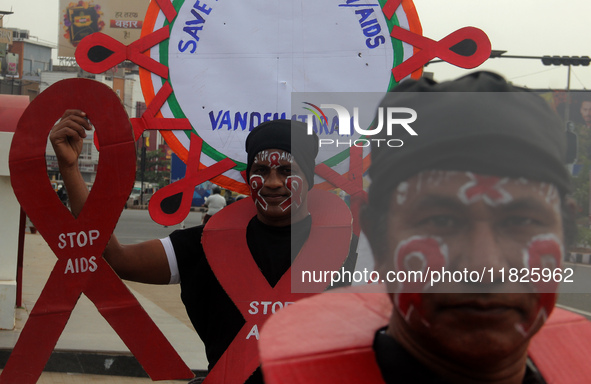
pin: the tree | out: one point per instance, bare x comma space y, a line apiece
157, 168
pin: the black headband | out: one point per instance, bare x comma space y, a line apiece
498, 130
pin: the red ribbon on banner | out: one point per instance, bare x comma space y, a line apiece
97, 53
353, 184
168, 9
149, 119
238, 273
185, 186
474, 37
390, 8
79, 242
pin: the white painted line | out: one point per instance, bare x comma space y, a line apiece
576, 265
580, 312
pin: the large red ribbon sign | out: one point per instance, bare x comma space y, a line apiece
79, 242
238, 273
443, 49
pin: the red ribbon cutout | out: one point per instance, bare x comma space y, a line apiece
168, 9
431, 49
185, 186
79, 242
353, 185
243, 281
121, 52
149, 120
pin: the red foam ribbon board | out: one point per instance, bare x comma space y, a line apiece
79, 242
326, 249
11, 109
560, 350
327, 338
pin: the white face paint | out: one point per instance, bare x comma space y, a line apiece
492, 190
401, 192
273, 158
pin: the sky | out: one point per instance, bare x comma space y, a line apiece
520, 27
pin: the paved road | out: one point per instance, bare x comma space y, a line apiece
579, 302
135, 226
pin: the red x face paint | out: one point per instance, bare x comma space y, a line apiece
486, 188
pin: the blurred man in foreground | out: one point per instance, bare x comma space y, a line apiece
480, 191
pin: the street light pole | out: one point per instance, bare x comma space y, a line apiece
143, 165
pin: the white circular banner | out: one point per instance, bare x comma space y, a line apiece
234, 65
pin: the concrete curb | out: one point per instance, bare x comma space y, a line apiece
579, 258
92, 363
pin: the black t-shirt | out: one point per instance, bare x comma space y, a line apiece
213, 314
400, 367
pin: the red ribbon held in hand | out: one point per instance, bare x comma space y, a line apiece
79, 242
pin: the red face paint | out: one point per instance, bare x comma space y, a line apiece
294, 184
431, 254
256, 184
274, 159
543, 252
486, 188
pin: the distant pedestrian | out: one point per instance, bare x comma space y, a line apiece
214, 203
63, 195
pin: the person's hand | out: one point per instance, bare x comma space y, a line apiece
67, 136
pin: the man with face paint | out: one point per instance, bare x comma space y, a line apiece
280, 173
481, 188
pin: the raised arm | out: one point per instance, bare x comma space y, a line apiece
144, 262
